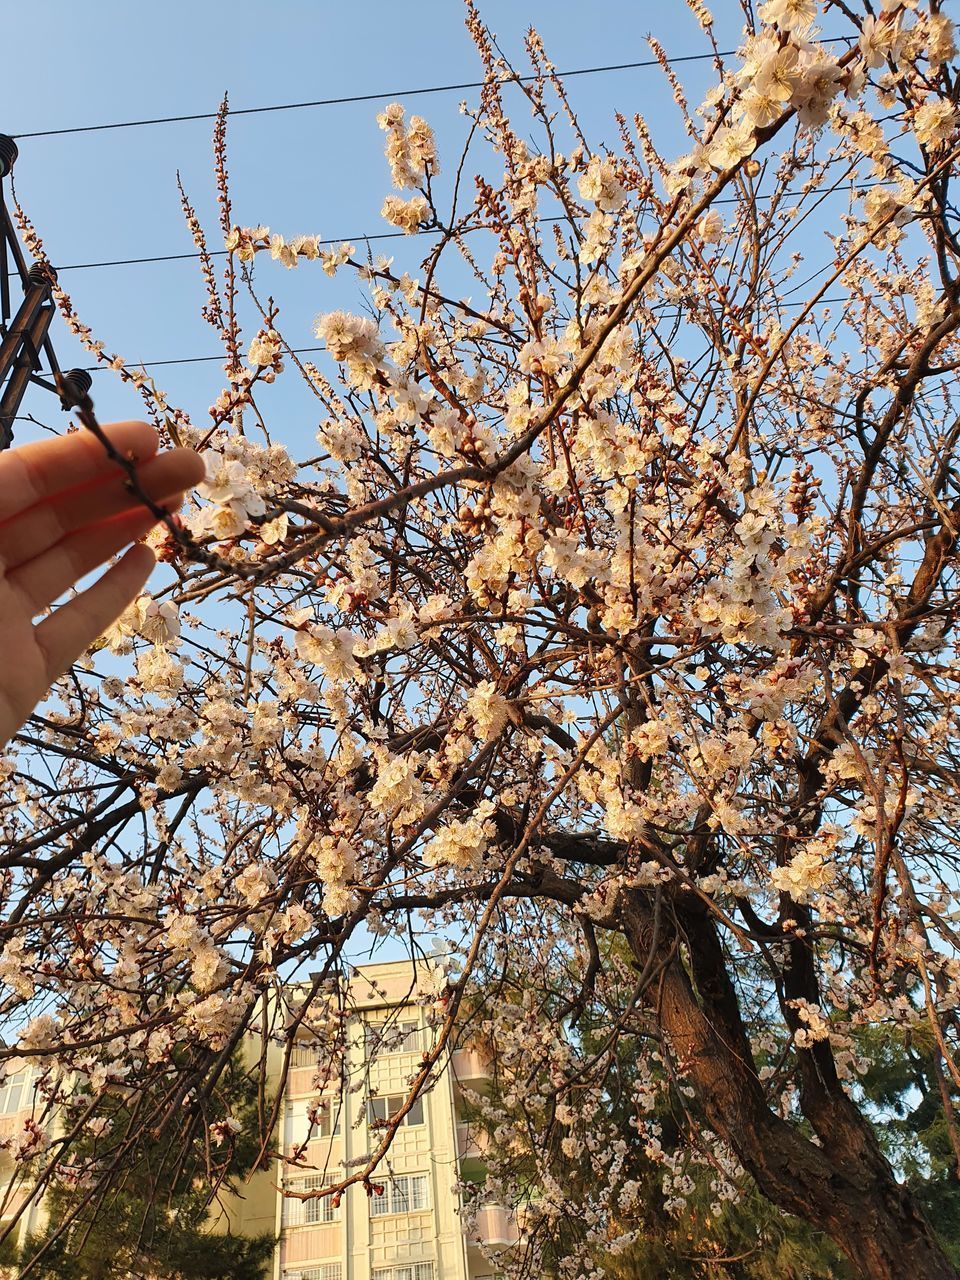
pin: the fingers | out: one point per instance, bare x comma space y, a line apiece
43, 525
42, 580
73, 627
32, 473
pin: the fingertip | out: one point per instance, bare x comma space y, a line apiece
191, 465
140, 557
139, 439
172, 503
72, 627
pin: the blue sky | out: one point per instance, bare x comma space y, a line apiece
98, 196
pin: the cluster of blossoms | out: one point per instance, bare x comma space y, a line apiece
232, 497
411, 152
266, 350
601, 184
411, 148
355, 342
239, 473
810, 871
147, 618
247, 242
462, 845
408, 215
799, 74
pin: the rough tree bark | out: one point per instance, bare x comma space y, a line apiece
845, 1185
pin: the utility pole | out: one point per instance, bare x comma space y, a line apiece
24, 340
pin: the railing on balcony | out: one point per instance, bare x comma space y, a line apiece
302, 1079
11, 1124
310, 1066
306, 1244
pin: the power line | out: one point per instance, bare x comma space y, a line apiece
364, 238
222, 253
302, 351
327, 102
366, 97
394, 93
155, 364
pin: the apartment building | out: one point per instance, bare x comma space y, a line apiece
413, 1230
17, 1109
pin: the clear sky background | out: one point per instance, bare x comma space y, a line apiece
112, 194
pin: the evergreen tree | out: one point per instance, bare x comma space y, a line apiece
906, 1090
153, 1223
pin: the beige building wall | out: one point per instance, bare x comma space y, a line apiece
414, 1231
19, 1109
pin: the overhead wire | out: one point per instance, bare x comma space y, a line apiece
323, 102
365, 97
300, 351
363, 238
418, 91
387, 235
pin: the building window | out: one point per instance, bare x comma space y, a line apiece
326, 1271
404, 1193
306, 1055
380, 1038
380, 1110
326, 1119
412, 1271
15, 1093
311, 1213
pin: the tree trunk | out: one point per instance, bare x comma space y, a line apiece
844, 1186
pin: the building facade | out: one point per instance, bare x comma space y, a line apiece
17, 1113
413, 1230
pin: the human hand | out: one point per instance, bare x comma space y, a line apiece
64, 510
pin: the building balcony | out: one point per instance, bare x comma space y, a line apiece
309, 1243
300, 1081
11, 1124
472, 1142
309, 1063
316, 1155
14, 1124
471, 1067
496, 1227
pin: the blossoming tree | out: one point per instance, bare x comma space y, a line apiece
619, 600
